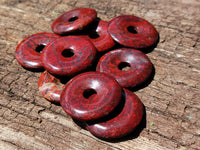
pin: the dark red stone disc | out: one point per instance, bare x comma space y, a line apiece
90, 96
50, 87
132, 31
129, 67
122, 124
100, 37
28, 51
68, 55
73, 20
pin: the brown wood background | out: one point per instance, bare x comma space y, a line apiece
172, 99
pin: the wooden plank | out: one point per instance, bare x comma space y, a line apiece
28, 121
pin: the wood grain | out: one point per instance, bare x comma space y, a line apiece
28, 121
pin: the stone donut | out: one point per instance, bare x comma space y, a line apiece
132, 31
50, 87
129, 67
28, 51
68, 55
121, 124
100, 37
90, 96
73, 20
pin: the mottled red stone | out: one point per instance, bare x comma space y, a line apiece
68, 55
100, 37
26, 52
129, 67
90, 96
132, 31
50, 87
73, 20
123, 123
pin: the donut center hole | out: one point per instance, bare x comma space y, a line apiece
94, 35
73, 19
67, 53
39, 48
88, 93
124, 66
132, 29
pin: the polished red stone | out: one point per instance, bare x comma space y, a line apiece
28, 51
129, 67
100, 37
68, 55
90, 96
123, 123
132, 31
73, 20
50, 87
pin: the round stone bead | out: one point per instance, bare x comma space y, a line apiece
129, 67
100, 37
90, 96
126, 120
68, 55
28, 52
50, 87
132, 31
73, 20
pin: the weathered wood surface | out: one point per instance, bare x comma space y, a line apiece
172, 99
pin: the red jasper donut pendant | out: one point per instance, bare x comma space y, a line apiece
132, 31
50, 87
90, 96
128, 66
100, 37
73, 20
68, 55
28, 51
122, 124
